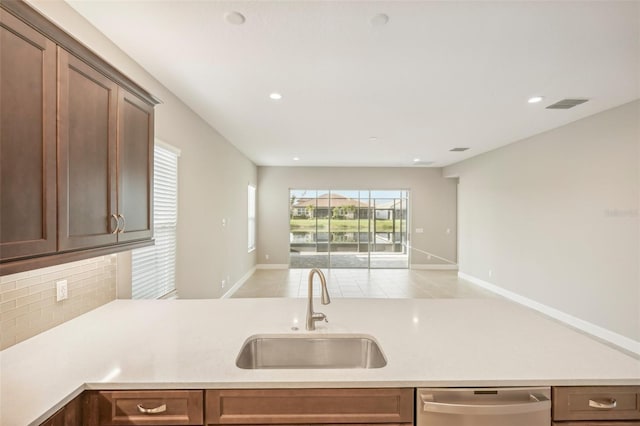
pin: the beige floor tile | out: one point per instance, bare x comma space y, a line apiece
375, 283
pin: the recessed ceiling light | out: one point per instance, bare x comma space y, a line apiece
373, 139
416, 160
296, 158
235, 18
380, 19
275, 96
535, 99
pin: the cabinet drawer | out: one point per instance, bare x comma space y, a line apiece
147, 407
309, 406
596, 403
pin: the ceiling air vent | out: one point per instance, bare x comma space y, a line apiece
458, 149
567, 103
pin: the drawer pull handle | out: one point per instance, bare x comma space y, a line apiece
159, 409
603, 404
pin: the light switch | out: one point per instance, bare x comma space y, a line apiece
419, 230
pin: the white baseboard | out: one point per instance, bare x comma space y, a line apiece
428, 266
590, 328
238, 284
272, 266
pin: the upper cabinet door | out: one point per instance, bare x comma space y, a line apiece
87, 192
27, 140
135, 167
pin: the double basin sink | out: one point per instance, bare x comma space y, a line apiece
287, 352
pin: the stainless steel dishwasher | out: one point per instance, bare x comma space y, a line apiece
483, 407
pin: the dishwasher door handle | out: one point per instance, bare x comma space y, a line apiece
538, 403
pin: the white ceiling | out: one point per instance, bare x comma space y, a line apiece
439, 75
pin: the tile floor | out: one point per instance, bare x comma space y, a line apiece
348, 260
376, 283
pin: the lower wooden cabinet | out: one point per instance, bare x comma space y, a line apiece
571, 406
153, 407
56, 420
309, 406
391, 407
69, 415
596, 406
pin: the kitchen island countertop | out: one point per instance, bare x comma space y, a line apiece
193, 344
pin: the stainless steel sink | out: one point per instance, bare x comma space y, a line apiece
264, 351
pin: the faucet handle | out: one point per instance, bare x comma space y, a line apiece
319, 316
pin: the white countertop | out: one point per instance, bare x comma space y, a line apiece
192, 344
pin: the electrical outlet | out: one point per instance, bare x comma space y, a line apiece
62, 291
266, 257
223, 283
490, 272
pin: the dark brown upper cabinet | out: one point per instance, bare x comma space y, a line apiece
76, 148
27, 140
87, 123
135, 168
105, 159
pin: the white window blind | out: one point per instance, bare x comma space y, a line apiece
153, 268
251, 216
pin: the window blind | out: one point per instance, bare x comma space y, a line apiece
153, 268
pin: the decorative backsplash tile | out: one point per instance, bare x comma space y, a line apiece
28, 299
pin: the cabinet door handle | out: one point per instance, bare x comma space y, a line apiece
124, 223
115, 230
157, 410
603, 404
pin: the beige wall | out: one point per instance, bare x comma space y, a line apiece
555, 218
432, 205
28, 299
213, 174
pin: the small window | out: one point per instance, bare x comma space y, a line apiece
153, 268
251, 217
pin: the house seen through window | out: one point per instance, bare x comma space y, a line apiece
348, 228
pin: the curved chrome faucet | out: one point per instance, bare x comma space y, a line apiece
312, 317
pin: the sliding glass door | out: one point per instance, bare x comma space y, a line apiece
389, 245
348, 228
308, 229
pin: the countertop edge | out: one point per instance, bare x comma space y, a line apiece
64, 401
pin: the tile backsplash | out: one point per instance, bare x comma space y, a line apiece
28, 299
